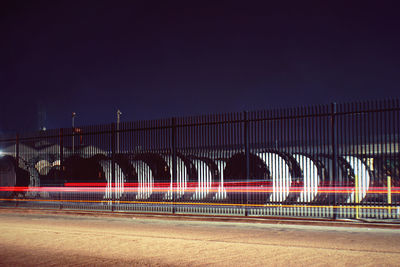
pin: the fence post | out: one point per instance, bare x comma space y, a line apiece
357, 199
61, 149
247, 154
112, 166
174, 163
389, 195
61, 163
334, 157
17, 150
17, 159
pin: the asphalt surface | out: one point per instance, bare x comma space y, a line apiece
76, 238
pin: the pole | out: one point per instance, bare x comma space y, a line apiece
73, 132
17, 150
335, 179
118, 120
247, 155
61, 150
112, 166
174, 163
357, 197
61, 164
389, 194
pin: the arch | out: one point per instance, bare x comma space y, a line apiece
182, 177
280, 174
364, 179
145, 179
78, 169
8, 175
311, 178
235, 178
155, 171
118, 187
205, 178
12, 176
221, 191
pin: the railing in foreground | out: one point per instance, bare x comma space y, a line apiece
334, 161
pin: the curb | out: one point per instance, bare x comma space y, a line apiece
213, 218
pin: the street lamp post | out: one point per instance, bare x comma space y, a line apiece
73, 132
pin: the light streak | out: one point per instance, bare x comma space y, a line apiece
164, 187
202, 204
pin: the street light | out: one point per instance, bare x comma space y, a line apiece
73, 132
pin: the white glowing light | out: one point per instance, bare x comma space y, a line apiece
43, 166
311, 178
181, 182
221, 194
280, 173
204, 175
145, 179
119, 179
362, 173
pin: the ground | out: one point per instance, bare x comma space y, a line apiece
46, 239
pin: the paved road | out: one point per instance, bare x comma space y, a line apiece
44, 239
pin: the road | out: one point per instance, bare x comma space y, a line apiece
45, 239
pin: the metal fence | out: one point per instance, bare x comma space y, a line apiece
331, 161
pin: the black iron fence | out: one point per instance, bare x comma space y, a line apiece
336, 161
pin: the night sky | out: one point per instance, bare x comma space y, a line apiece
157, 59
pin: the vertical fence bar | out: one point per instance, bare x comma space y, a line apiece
381, 150
61, 141
353, 110
334, 157
61, 148
247, 154
113, 136
373, 141
389, 194
17, 149
388, 152
397, 148
364, 151
174, 163
357, 200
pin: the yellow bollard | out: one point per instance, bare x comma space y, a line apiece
389, 194
357, 198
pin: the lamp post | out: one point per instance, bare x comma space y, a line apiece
73, 132
118, 119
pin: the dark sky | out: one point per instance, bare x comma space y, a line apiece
157, 59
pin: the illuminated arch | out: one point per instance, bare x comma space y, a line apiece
361, 171
280, 173
311, 178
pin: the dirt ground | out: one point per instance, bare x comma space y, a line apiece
43, 239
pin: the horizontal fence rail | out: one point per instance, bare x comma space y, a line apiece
329, 161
